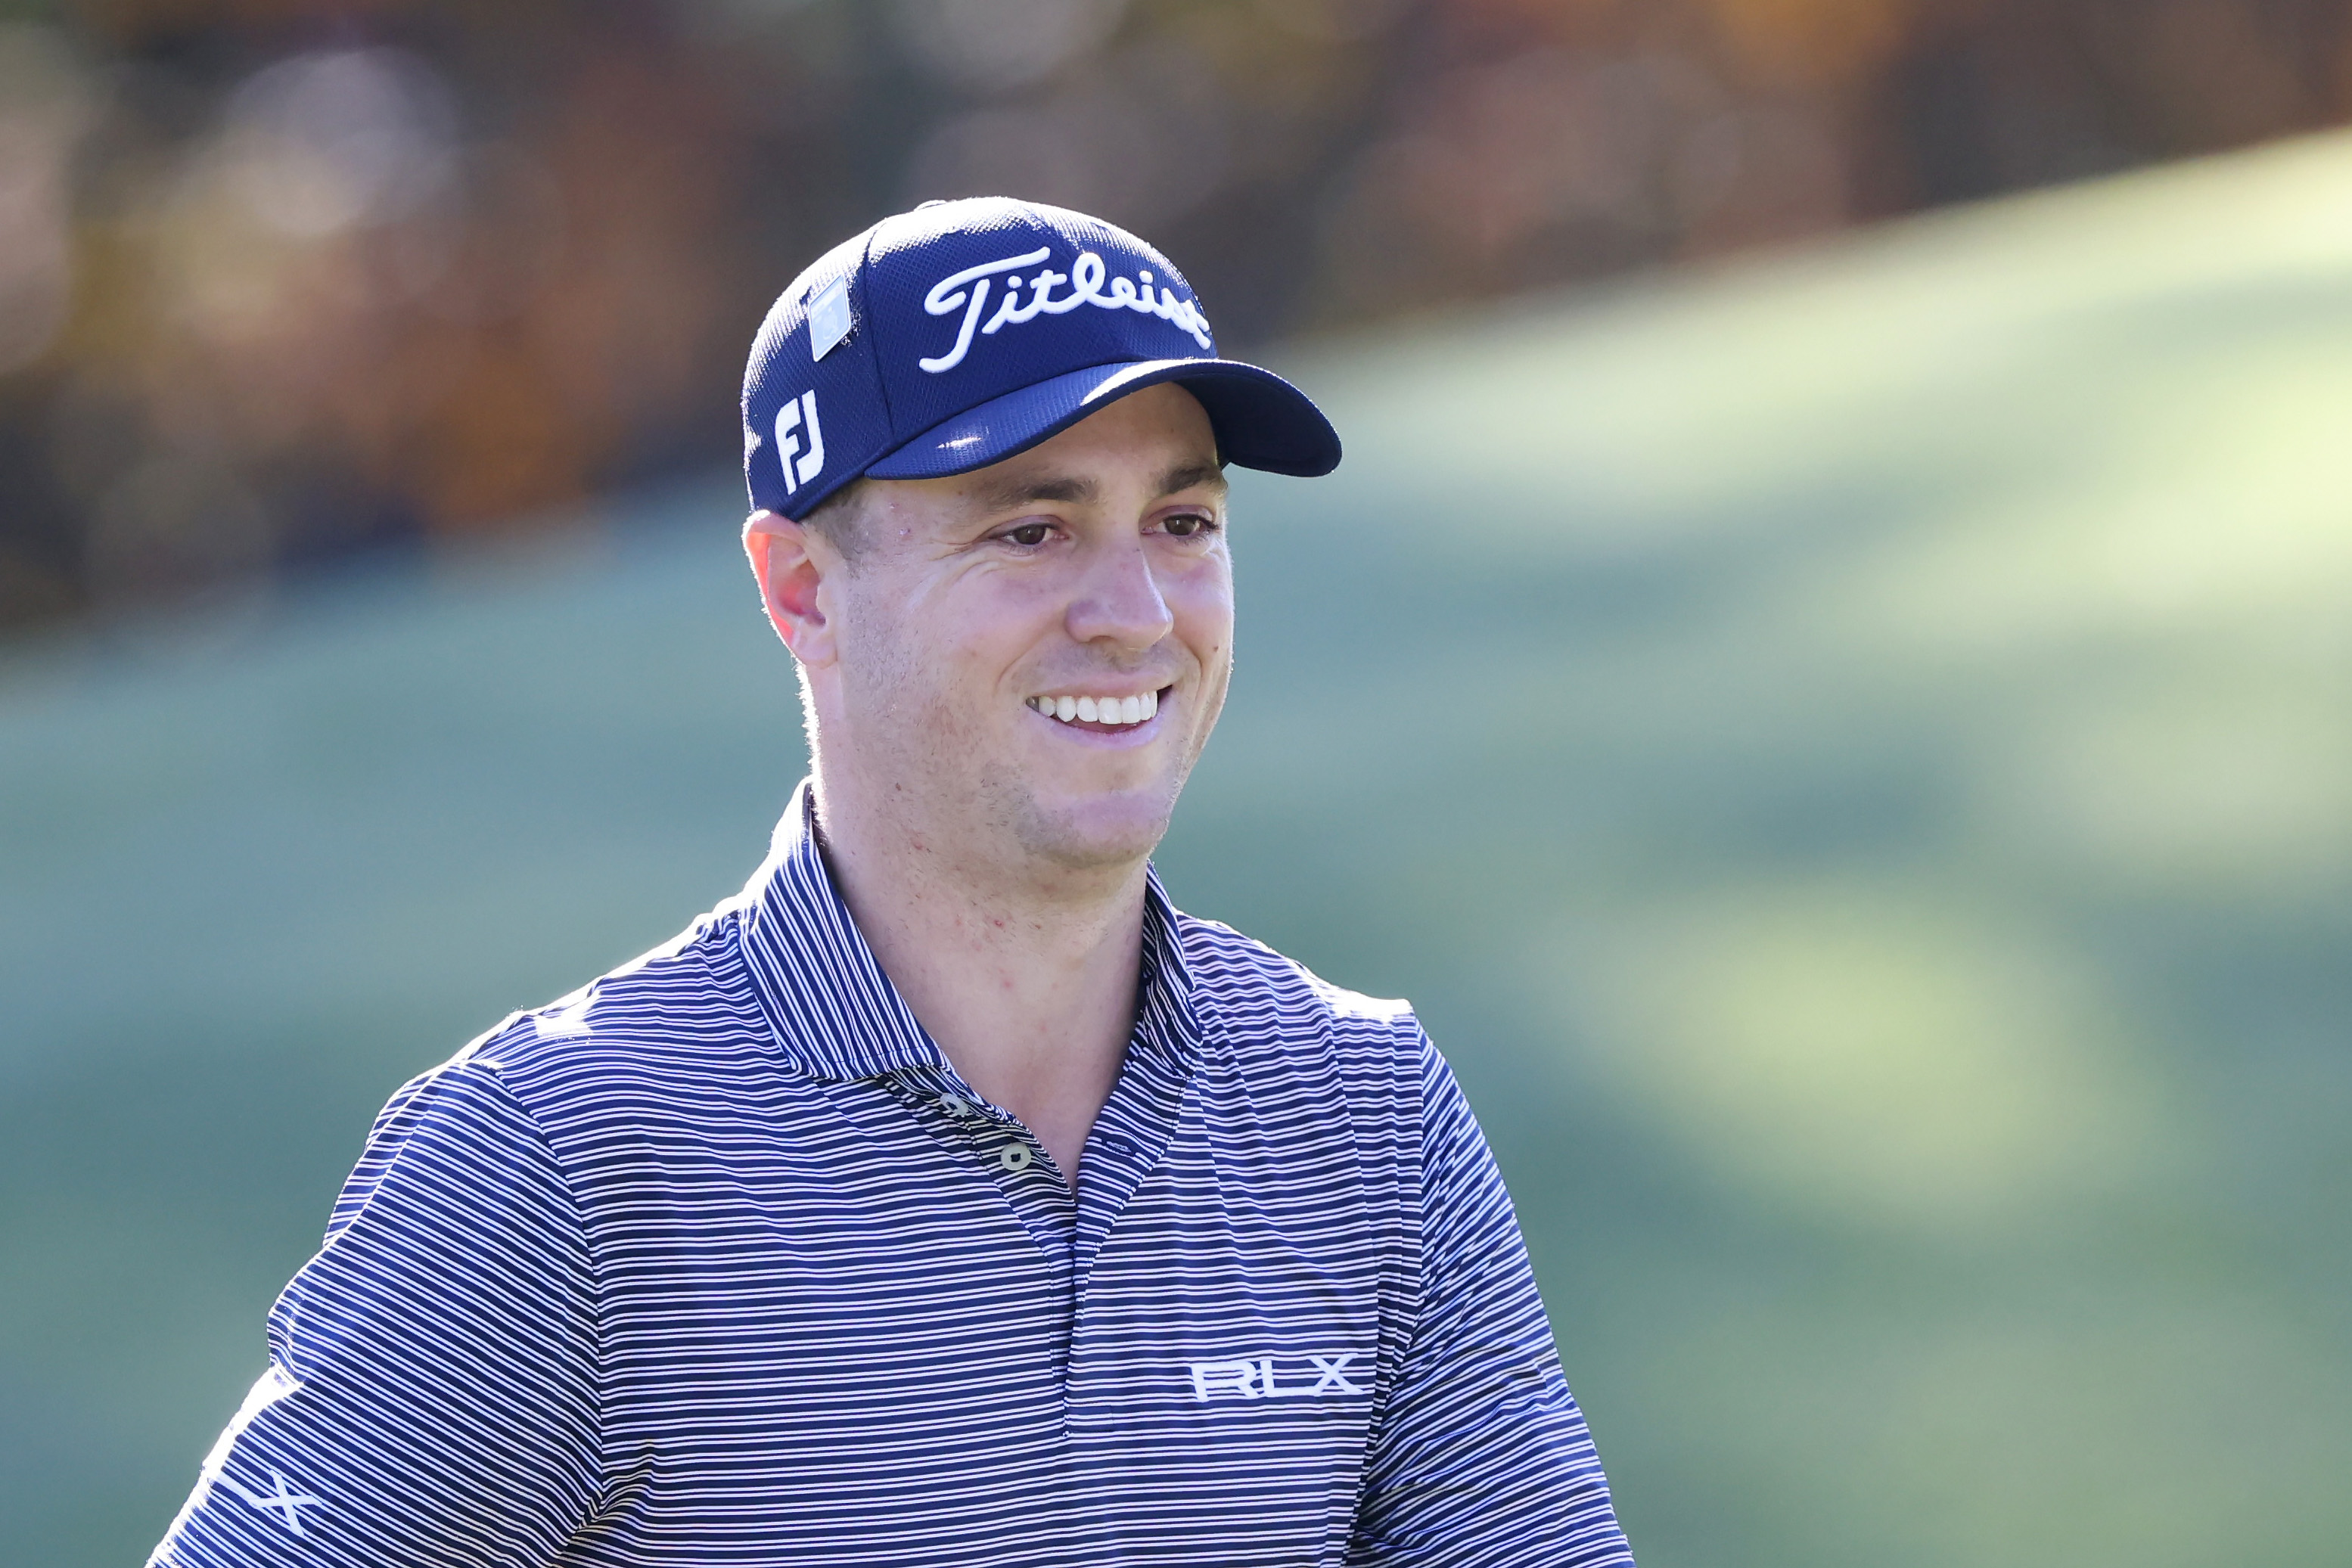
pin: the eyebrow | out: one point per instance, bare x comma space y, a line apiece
1003, 494
1185, 476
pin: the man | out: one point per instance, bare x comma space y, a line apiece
947, 1197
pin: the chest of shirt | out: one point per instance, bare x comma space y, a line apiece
840, 1319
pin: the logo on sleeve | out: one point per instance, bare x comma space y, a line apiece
287, 1505
1256, 1379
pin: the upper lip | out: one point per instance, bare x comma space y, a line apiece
1100, 693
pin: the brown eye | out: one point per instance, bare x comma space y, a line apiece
1187, 525
1029, 536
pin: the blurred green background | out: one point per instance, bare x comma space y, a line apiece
1850, 752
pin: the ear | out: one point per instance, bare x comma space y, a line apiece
789, 575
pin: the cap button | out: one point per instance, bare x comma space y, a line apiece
934, 202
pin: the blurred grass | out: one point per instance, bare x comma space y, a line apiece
1852, 753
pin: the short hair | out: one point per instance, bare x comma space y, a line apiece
841, 518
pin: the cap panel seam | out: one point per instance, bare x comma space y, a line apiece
873, 343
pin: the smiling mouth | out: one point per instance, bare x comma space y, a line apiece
1110, 713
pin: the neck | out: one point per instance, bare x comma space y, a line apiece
1025, 980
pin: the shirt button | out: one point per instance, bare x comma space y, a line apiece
1014, 1156
952, 1106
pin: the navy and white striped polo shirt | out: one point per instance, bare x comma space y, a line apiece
718, 1261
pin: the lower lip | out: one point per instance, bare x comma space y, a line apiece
1125, 732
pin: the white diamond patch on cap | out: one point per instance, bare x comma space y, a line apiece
829, 318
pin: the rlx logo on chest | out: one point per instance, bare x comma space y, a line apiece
1256, 1380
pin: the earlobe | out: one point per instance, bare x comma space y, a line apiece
789, 579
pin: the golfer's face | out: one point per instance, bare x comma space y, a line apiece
1046, 643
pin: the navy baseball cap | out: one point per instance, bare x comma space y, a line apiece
946, 339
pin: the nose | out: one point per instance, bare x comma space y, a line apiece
1118, 601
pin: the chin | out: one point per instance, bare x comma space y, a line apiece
1097, 832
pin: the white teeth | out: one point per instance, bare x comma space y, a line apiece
1100, 710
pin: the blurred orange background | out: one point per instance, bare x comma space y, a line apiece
286, 282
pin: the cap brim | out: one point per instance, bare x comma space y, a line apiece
1260, 420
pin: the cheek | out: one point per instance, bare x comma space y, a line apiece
892, 669
980, 638
1203, 611
942, 654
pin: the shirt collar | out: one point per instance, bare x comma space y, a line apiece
835, 1013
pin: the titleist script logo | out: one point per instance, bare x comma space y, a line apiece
968, 291
1327, 1375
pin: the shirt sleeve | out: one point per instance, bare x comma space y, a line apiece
431, 1392
1480, 1455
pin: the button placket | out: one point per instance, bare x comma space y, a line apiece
976, 1120
1013, 1155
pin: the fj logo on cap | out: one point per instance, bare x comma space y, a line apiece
968, 290
1256, 1379
799, 414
